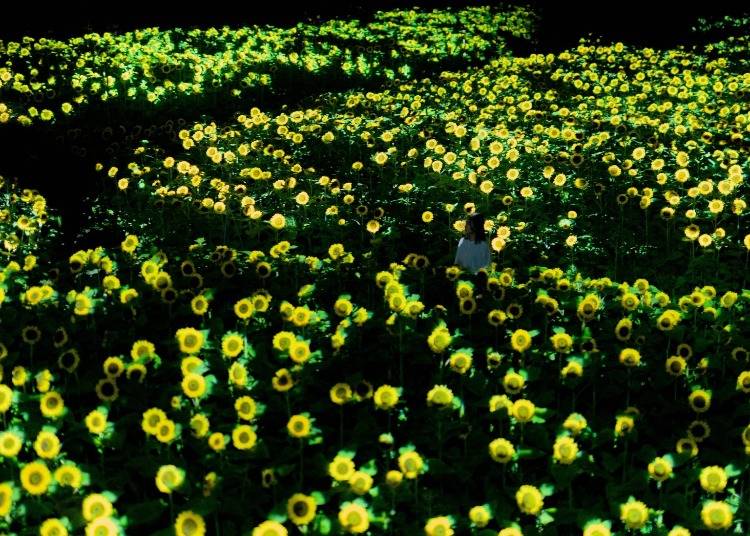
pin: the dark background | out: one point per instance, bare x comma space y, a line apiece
644, 23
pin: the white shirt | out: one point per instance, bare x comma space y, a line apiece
472, 255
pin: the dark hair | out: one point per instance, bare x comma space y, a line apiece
477, 223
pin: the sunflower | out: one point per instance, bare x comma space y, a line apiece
386, 397
716, 515
244, 308
243, 437
354, 518
630, 357
6, 398
360, 482
246, 407
60, 337
166, 431
496, 317
282, 340
113, 367
270, 528
263, 269
299, 351
624, 424
440, 395
190, 340
700, 400
575, 423
668, 320
460, 362
740, 353
103, 526
10, 444
107, 390
713, 479
169, 478
298, 426
573, 369
523, 410
6, 498
277, 221
520, 340
232, 344
51, 527
480, 516
500, 402
596, 529
199, 425
623, 329
675, 365
51, 405
96, 422
439, 526
343, 307
501, 450
191, 364
565, 450
698, 431
411, 464
341, 393
151, 419
743, 381
660, 469
529, 499
393, 478
193, 385
217, 441
35, 477
31, 334
136, 371
142, 349
282, 380
341, 468
19, 376
439, 339
199, 305
301, 509
189, 523
300, 317
687, 444
587, 308
634, 514
562, 342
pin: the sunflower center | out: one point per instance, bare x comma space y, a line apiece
634, 516
353, 519
189, 527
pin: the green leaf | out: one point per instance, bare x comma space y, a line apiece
547, 489
732, 470
545, 518
322, 525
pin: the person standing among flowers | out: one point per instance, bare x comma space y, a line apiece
473, 249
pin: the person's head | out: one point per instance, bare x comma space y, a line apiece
475, 225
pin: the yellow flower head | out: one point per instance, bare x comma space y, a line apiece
634, 514
529, 499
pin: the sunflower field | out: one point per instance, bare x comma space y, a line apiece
269, 335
